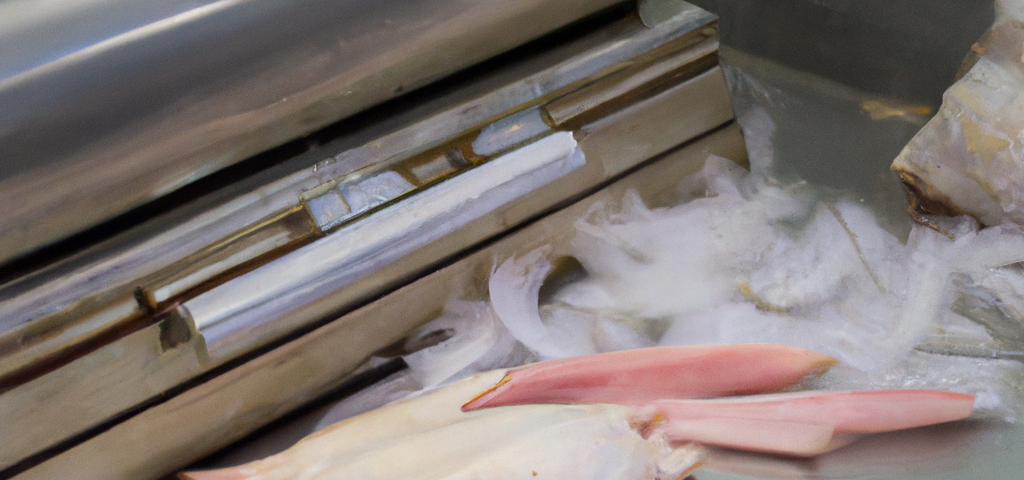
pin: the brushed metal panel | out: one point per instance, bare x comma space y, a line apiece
131, 100
43, 305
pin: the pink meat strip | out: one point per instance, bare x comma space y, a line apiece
639, 377
794, 423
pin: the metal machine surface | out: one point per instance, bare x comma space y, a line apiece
128, 103
100, 350
327, 173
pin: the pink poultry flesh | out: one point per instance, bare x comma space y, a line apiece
629, 415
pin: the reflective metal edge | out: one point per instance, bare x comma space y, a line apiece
141, 366
92, 129
225, 408
72, 305
234, 317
